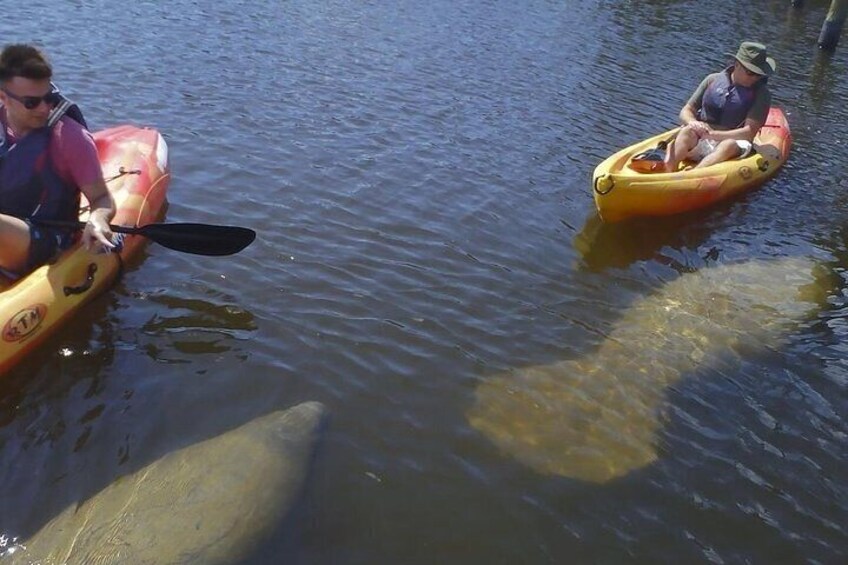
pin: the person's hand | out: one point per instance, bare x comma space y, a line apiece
97, 232
701, 129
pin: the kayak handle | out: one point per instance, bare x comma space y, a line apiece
609, 184
89, 280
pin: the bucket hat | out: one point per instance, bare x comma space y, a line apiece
753, 56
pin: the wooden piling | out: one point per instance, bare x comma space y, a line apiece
833, 24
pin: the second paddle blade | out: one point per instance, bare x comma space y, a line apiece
200, 239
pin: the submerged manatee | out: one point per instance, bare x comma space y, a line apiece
208, 503
597, 418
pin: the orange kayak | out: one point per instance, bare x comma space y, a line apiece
135, 166
623, 192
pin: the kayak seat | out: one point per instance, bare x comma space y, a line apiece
649, 161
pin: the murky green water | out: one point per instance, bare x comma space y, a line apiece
419, 176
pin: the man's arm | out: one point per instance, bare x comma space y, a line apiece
689, 113
75, 155
102, 210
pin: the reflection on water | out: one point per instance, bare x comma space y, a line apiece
597, 418
824, 78
675, 240
90, 340
603, 245
194, 327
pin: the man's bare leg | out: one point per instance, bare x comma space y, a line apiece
14, 243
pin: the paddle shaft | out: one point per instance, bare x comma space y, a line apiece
81, 225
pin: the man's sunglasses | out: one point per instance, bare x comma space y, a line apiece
32, 102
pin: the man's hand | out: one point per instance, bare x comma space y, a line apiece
97, 232
701, 129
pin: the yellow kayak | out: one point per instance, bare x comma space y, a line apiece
135, 165
622, 192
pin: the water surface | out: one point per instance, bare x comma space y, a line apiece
419, 176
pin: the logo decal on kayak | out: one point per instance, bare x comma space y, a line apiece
24, 323
745, 172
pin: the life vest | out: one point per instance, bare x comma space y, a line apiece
30, 187
725, 104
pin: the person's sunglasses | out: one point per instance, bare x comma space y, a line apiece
33, 102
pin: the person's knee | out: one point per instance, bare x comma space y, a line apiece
688, 136
685, 142
14, 243
728, 149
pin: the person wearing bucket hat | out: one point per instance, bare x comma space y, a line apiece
753, 56
722, 116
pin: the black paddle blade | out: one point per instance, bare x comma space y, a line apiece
200, 239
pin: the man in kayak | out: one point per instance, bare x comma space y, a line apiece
721, 118
47, 159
